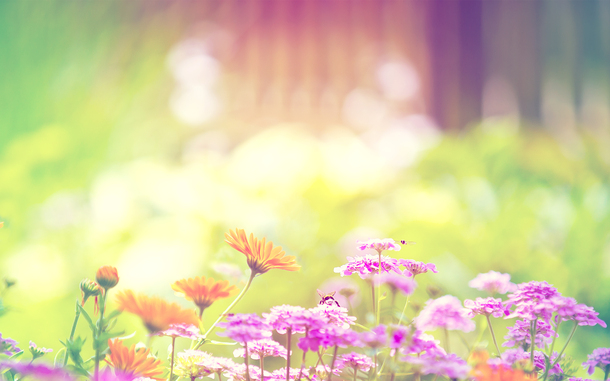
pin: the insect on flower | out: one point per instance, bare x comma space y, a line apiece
328, 298
403, 242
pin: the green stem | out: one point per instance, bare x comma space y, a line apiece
303, 359
606, 371
493, 336
447, 340
72, 331
566, 345
404, 309
222, 315
247, 362
533, 339
171, 367
100, 326
554, 338
262, 364
288, 344
356, 371
373, 293
332, 364
379, 291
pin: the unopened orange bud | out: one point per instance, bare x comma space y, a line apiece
107, 277
89, 288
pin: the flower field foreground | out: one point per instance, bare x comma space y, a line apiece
329, 343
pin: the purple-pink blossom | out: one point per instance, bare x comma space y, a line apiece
280, 374
262, 348
375, 338
567, 309
599, 358
38, 371
334, 315
511, 356
8, 346
245, 327
368, 264
519, 334
415, 267
533, 300
493, 282
445, 312
281, 318
379, 244
486, 306
397, 282
448, 365
188, 331
356, 361
328, 336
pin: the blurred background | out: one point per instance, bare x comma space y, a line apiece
135, 134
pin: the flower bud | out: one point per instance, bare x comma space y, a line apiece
107, 277
90, 288
38, 352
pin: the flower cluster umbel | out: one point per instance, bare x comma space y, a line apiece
388, 343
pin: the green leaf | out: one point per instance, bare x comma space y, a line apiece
88, 318
110, 335
16, 355
112, 315
60, 356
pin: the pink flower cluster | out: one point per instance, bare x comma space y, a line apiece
488, 306
245, 327
379, 244
519, 334
368, 264
262, 348
445, 312
493, 282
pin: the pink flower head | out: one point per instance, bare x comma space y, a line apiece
281, 318
488, 306
109, 374
245, 327
238, 373
397, 282
368, 264
375, 338
379, 244
38, 352
262, 348
188, 331
511, 356
445, 312
599, 358
533, 300
355, 361
493, 282
280, 374
328, 336
519, 334
38, 371
334, 315
420, 342
8, 346
568, 309
415, 267
448, 365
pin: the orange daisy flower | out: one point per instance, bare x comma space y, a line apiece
156, 313
132, 361
203, 292
261, 255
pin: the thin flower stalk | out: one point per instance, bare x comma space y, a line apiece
262, 365
533, 338
171, 366
332, 364
563, 349
76, 317
247, 362
226, 311
288, 344
100, 324
493, 336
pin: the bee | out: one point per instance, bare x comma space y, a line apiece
402, 241
328, 298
